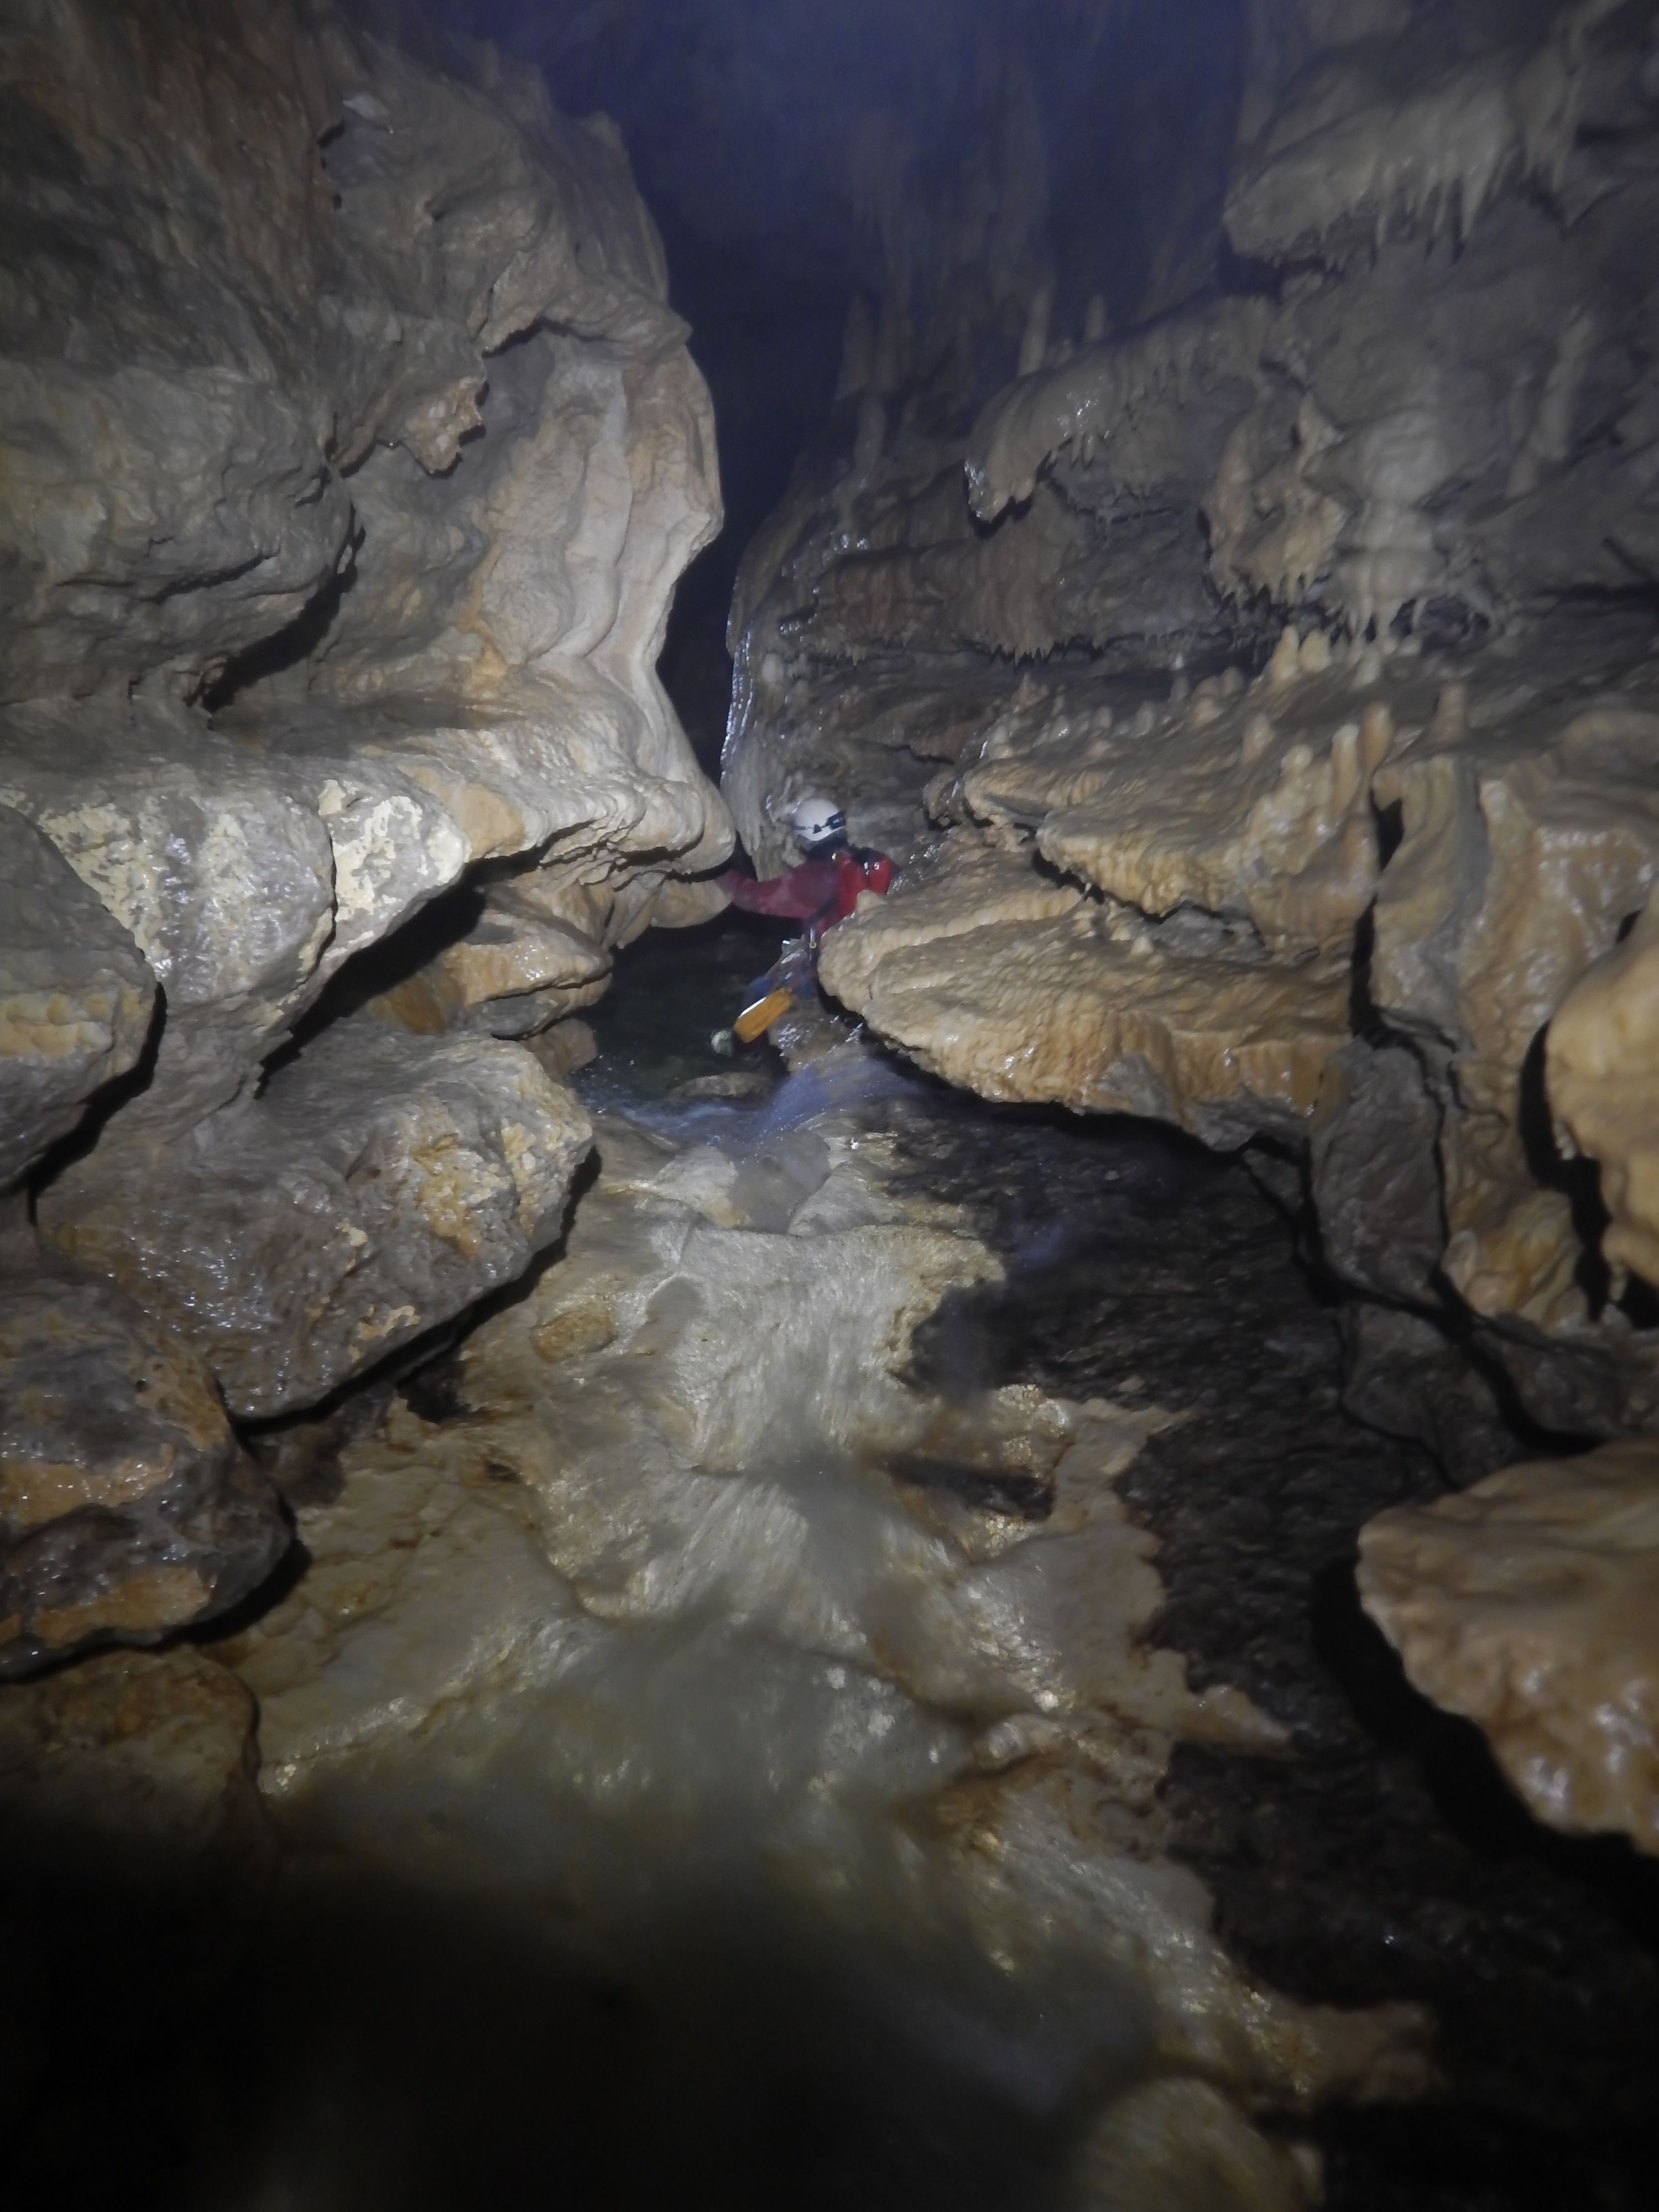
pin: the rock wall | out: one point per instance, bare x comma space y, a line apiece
1265, 700
351, 453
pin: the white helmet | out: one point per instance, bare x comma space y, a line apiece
818, 823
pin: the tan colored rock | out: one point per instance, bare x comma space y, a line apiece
684, 905
1072, 1010
136, 1762
1444, 778
517, 969
1527, 1604
1603, 1051
1180, 2146
341, 540
1239, 811
1365, 841
675, 1456
382, 1183
127, 1507
1530, 836
563, 1049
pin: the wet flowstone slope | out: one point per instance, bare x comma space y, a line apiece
842, 1691
1383, 1857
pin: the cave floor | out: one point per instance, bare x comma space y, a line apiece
704, 1761
1385, 1857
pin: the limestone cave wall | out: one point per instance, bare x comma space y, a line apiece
351, 454
1264, 698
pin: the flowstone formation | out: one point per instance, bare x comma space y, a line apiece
352, 453
1265, 693
1526, 1603
676, 1595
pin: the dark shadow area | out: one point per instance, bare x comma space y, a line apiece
694, 665
345, 2045
1579, 1180
105, 1103
671, 992
1400, 1866
1467, 1784
284, 649
1390, 830
389, 962
993, 1490
1383, 1858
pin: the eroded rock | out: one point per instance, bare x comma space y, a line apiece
340, 534
687, 1464
1603, 1074
380, 1185
127, 1507
1332, 890
1527, 1604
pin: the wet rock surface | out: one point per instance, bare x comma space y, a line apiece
76, 998
1525, 1603
383, 1183
338, 539
844, 1681
1256, 679
1384, 1854
128, 1507
834, 1653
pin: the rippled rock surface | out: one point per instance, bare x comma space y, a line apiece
353, 453
1326, 790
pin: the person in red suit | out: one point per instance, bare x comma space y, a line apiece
824, 888
821, 891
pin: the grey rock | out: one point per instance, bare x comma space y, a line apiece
771, 1185
1374, 1173
1406, 1377
127, 1508
76, 997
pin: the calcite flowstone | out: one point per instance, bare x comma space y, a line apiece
1338, 905
1337, 891
75, 996
380, 1184
1178, 2146
684, 1475
127, 1506
1527, 1604
1067, 1009
1603, 1075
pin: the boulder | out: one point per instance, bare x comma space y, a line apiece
128, 1509
382, 1184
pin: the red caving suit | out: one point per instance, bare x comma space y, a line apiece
820, 893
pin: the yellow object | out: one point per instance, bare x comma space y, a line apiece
754, 1021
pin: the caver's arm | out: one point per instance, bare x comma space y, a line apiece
798, 895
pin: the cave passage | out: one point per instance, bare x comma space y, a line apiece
1026, 1584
